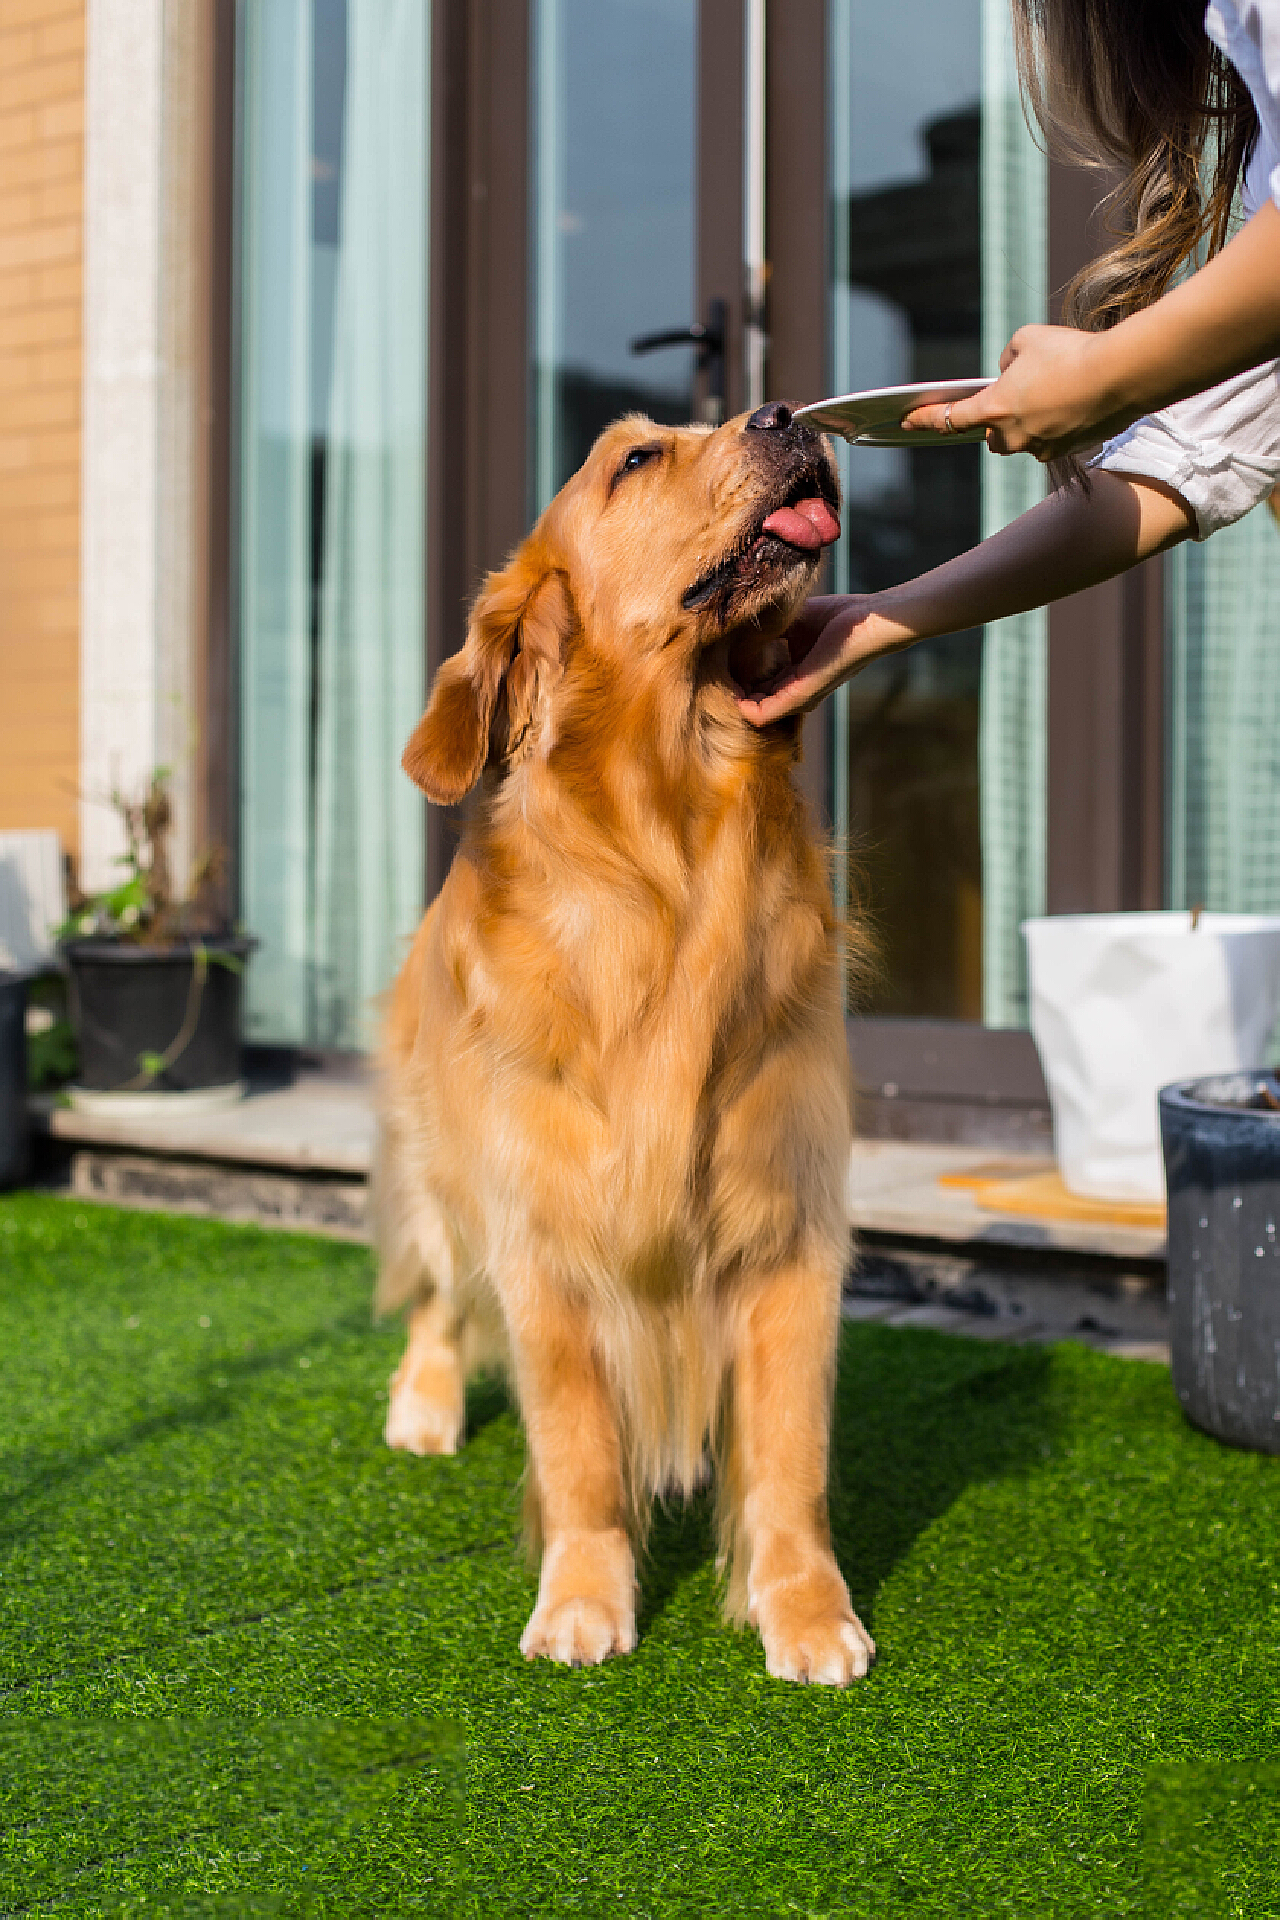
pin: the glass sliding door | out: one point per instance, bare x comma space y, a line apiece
612, 219
1013, 739
332, 424
937, 254
1222, 697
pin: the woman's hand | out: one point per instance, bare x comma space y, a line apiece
1053, 396
832, 636
1061, 389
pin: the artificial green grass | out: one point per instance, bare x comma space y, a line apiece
251, 1662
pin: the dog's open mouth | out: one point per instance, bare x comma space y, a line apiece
798, 528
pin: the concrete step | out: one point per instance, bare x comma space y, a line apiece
297, 1152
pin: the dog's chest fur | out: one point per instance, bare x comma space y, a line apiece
615, 1014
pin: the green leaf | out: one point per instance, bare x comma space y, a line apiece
132, 894
51, 1055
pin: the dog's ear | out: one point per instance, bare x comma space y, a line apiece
515, 642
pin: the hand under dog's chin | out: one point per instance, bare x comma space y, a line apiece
756, 651
753, 657
745, 660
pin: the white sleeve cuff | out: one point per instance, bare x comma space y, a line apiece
1219, 450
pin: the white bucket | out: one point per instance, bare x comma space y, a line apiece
1124, 1003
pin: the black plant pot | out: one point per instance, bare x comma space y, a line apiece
133, 1007
1222, 1169
13, 1079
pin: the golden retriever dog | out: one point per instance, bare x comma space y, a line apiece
615, 1092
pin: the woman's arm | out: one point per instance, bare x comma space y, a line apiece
1060, 389
1071, 540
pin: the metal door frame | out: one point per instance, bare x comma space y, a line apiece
935, 1079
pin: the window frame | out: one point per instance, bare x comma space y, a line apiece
214, 265
926, 1079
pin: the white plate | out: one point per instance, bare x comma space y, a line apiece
873, 418
158, 1104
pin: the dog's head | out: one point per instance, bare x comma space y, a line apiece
676, 553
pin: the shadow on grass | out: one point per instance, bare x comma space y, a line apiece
681, 1540
488, 1398
50, 1473
918, 1418
213, 1402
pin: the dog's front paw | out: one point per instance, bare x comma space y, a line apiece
829, 1652
586, 1600
578, 1633
421, 1423
810, 1631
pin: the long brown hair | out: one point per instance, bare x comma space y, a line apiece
1136, 86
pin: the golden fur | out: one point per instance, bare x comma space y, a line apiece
615, 1112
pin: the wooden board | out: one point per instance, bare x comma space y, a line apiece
1038, 1193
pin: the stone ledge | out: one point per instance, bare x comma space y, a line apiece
302, 1204
322, 1126
319, 1124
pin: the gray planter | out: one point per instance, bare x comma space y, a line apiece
129, 1002
14, 1137
1222, 1168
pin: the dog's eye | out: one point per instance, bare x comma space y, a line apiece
637, 457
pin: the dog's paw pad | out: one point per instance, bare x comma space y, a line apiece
828, 1653
418, 1425
577, 1633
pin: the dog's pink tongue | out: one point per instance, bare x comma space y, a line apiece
810, 523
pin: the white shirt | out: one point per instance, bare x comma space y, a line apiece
1220, 449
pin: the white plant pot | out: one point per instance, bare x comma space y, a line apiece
1124, 1003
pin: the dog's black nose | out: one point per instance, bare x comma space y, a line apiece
774, 414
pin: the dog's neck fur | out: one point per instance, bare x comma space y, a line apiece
650, 756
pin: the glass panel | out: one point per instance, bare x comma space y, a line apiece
1014, 728
613, 219
1223, 706
332, 502
933, 253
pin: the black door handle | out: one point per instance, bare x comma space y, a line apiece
709, 339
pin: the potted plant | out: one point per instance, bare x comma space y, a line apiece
155, 980
1222, 1167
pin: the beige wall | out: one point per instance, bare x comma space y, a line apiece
41, 198
145, 182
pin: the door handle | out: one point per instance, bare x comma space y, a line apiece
709, 337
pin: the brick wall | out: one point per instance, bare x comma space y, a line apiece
41, 194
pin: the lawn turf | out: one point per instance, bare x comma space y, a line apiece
251, 1662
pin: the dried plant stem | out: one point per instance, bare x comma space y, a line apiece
186, 1032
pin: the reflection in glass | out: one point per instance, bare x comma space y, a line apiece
906, 187
612, 219
1223, 705
938, 254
